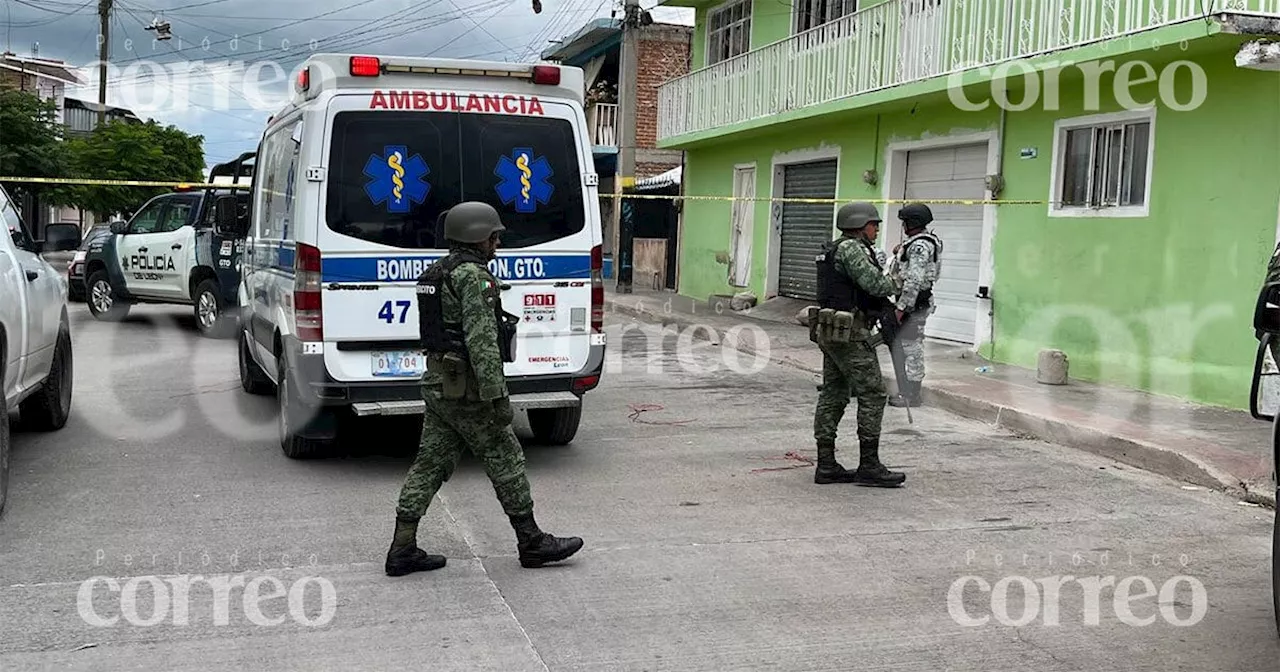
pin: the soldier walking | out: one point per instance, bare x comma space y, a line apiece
852, 288
466, 337
915, 267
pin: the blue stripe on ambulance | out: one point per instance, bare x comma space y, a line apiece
401, 268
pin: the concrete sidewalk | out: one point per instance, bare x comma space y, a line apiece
1202, 445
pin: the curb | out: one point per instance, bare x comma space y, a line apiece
1135, 453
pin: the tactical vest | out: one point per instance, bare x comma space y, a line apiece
439, 336
935, 245
837, 290
925, 296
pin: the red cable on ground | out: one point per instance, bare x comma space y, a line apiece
801, 460
637, 409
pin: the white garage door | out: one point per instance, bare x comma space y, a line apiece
954, 172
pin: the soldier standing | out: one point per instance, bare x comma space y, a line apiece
915, 267
466, 337
852, 288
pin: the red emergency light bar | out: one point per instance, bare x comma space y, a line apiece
372, 66
365, 66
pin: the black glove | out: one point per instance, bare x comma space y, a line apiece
502, 408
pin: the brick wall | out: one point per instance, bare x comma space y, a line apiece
664, 54
644, 169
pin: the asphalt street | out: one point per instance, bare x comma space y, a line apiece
704, 551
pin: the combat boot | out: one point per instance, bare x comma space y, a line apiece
828, 470
871, 473
405, 557
538, 548
909, 395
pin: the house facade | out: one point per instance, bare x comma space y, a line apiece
1131, 148
664, 51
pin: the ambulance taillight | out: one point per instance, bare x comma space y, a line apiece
307, 309
597, 290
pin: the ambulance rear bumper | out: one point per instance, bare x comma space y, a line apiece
316, 388
519, 402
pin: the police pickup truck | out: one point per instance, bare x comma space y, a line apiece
172, 251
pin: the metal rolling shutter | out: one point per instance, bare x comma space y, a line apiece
806, 227
953, 173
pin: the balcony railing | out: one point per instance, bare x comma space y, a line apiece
903, 41
602, 119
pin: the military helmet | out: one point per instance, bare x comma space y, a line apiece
471, 222
856, 216
916, 215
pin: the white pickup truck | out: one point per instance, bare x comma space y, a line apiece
35, 337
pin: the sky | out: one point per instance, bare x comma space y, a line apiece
225, 69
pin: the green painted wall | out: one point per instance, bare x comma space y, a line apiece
1162, 303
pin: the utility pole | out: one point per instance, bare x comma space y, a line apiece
626, 174
104, 31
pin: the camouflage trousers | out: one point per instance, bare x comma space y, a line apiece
911, 344
850, 369
449, 426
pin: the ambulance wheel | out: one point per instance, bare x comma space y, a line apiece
294, 417
102, 299
211, 311
555, 426
252, 378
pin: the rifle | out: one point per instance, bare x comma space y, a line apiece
889, 328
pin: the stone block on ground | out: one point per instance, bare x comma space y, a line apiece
1051, 368
742, 301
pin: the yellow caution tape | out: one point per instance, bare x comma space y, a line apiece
835, 201
120, 183
672, 197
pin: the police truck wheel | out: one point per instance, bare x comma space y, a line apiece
211, 311
48, 409
103, 303
252, 378
555, 426
4, 444
293, 416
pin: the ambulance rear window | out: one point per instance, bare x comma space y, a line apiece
393, 173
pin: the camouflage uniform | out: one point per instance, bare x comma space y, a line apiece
852, 368
465, 396
915, 267
482, 420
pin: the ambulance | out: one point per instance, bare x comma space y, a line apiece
353, 178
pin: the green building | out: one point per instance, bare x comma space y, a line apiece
1137, 143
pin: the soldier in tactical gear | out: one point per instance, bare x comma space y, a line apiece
852, 291
466, 337
916, 264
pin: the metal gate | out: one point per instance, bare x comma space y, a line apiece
806, 227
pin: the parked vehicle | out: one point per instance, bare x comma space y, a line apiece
75, 268
56, 236
172, 251
35, 334
347, 202
1265, 405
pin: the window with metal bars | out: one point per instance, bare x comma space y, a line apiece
728, 31
1104, 166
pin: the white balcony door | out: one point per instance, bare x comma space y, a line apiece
744, 210
921, 43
